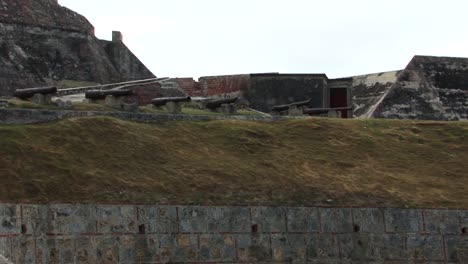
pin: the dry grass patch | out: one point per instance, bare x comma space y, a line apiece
296, 162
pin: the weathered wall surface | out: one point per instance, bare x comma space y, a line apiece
145, 92
429, 88
43, 55
64, 233
433, 88
35, 116
124, 61
220, 86
369, 91
42, 43
268, 90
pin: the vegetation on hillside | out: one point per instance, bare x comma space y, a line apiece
228, 162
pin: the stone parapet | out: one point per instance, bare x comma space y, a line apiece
102, 233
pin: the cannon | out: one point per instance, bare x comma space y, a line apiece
30, 92
164, 100
101, 94
217, 103
280, 108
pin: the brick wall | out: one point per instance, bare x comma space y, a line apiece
223, 85
65, 233
190, 86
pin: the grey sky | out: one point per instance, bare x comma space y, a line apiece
192, 38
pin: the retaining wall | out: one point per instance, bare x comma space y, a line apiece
65, 233
33, 116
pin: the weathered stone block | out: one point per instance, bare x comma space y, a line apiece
116, 219
457, 249
229, 109
214, 219
23, 250
403, 220
158, 219
393, 247
113, 102
425, 248
64, 104
130, 107
442, 221
174, 108
302, 220
74, 219
107, 250
86, 249
36, 220
256, 248
289, 248
368, 220
42, 99
179, 248
9, 222
295, 111
5, 248
269, 219
138, 249
50, 249
366, 247
217, 248
322, 247
336, 220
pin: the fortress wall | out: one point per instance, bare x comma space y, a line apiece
433, 88
268, 90
66, 233
221, 86
125, 62
35, 116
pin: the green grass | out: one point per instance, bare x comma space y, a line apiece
295, 162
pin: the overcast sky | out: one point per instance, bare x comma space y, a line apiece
192, 38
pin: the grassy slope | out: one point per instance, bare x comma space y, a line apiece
299, 162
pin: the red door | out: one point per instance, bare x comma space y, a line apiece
339, 98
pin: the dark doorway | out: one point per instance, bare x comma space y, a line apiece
339, 98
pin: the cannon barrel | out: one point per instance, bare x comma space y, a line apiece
101, 94
164, 100
279, 108
213, 104
30, 92
318, 111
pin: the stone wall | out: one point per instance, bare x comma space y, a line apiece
221, 86
268, 90
35, 116
65, 233
432, 88
124, 61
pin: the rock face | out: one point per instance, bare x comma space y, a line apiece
432, 88
43, 43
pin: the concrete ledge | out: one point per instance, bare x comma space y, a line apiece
34, 116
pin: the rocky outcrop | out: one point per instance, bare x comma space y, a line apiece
432, 88
43, 43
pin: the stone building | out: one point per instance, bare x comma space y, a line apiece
433, 88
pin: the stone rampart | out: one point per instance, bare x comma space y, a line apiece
89, 233
34, 116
